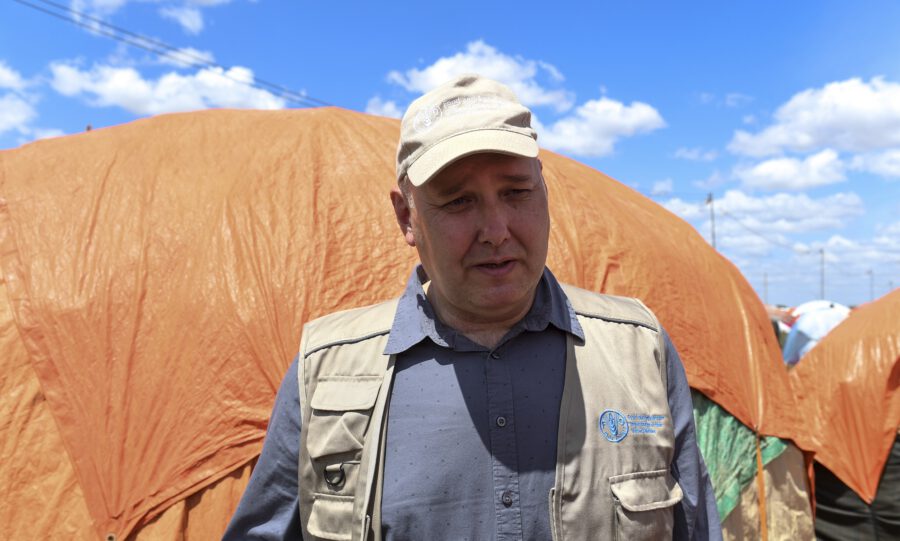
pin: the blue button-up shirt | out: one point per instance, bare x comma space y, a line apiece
471, 436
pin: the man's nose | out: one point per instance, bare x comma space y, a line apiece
493, 224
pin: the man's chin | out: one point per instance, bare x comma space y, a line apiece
504, 297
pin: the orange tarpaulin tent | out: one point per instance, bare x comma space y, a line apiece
848, 390
157, 275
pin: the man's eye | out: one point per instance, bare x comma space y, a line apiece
459, 202
519, 193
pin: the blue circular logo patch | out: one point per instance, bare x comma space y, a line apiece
613, 425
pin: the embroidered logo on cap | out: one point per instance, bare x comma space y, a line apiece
428, 116
613, 425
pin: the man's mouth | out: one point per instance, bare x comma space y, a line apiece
496, 267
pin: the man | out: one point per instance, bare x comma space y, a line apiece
488, 401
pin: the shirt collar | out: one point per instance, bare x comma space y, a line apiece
415, 321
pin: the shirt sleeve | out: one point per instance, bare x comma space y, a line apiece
268, 510
696, 516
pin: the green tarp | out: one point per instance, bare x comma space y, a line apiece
729, 450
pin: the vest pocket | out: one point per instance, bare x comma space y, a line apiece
644, 504
331, 517
341, 408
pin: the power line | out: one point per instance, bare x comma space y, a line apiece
164, 49
764, 237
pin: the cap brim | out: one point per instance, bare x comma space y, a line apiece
459, 146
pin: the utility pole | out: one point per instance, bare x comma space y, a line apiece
766, 287
712, 218
822, 268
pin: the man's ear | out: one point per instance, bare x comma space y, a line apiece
403, 212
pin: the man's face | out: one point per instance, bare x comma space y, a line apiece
481, 228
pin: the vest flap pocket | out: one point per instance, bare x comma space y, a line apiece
341, 410
331, 517
645, 491
346, 393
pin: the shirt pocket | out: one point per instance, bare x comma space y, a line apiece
341, 410
644, 504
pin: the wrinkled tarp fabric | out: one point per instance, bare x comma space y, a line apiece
848, 390
788, 513
729, 449
159, 272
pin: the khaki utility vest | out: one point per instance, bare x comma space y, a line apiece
615, 440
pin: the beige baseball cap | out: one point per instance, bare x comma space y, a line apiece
468, 115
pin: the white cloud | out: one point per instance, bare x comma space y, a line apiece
851, 115
187, 57
187, 13
780, 213
10, 78
731, 99
714, 180
208, 3
108, 86
748, 119
388, 108
662, 187
736, 99
591, 130
792, 213
756, 227
891, 229
45, 133
858, 256
98, 7
15, 113
793, 174
743, 242
17, 107
888, 238
686, 209
190, 18
696, 154
595, 127
886, 164
516, 72
551, 70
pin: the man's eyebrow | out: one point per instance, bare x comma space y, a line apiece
512, 177
456, 187
450, 189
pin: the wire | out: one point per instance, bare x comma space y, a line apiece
162, 48
829, 264
765, 238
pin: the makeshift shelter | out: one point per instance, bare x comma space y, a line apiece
848, 389
810, 322
777, 317
156, 276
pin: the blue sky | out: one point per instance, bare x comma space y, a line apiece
788, 113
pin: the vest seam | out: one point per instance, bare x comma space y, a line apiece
346, 342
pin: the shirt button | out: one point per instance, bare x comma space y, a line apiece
501, 421
506, 498
495, 355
